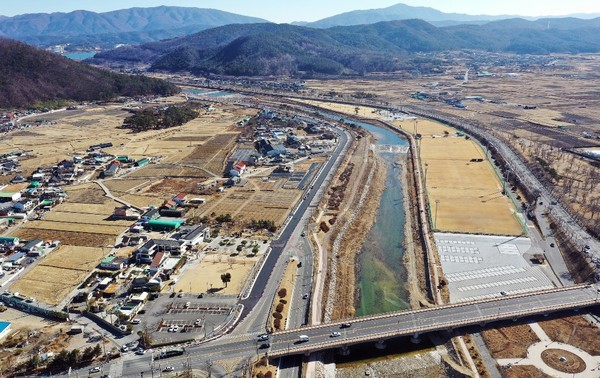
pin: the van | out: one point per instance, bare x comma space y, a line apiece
303, 338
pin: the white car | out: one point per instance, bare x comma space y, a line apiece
169, 368
335, 334
95, 369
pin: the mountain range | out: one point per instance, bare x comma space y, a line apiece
281, 49
134, 25
140, 25
29, 75
400, 12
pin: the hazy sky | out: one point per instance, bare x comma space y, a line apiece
311, 10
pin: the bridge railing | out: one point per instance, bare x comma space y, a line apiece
430, 309
304, 348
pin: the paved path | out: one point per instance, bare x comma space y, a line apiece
108, 194
534, 357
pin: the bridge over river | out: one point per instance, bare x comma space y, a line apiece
440, 318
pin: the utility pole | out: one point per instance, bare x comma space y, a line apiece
437, 202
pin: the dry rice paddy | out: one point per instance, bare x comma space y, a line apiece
464, 196
51, 280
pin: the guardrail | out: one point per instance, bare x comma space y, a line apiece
433, 309
309, 348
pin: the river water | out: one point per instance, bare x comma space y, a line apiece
382, 277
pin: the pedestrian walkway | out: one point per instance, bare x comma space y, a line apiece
534, 357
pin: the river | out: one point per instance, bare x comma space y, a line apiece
382, 275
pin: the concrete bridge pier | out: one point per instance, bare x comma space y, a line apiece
381, 345
344, 351
415, 339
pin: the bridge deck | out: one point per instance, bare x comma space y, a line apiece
381, 327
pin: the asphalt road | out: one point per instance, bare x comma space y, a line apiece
447, 317
369, 329
278, 246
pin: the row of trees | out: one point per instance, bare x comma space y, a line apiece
65, 359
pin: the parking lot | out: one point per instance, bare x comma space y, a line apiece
181, 317
485, 266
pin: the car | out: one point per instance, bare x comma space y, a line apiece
335, 334
200, 295
168, 368
136, 321
105, 376
172, 295
552, 245
180, 295
264, 346
503, 293
346, 325
124, 349
198, 322
263, 337
140, 351
187, 304
303, 234
305, 296
95, 369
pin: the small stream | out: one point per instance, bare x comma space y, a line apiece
382, 277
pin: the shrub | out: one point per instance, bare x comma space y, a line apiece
282, 292
283, 301
277, 315
279, 307
269, 374
277, 323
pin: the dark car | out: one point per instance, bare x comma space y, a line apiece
264, 346
346, 325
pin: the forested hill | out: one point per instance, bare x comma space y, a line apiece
29, 75
134, 25
271, 49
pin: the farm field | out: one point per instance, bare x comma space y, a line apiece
361, 111
544, 112
253, 203
51, 280
211, 155
464, 196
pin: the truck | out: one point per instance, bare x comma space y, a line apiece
171, 353
303, 338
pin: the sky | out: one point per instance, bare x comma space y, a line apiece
311, 10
